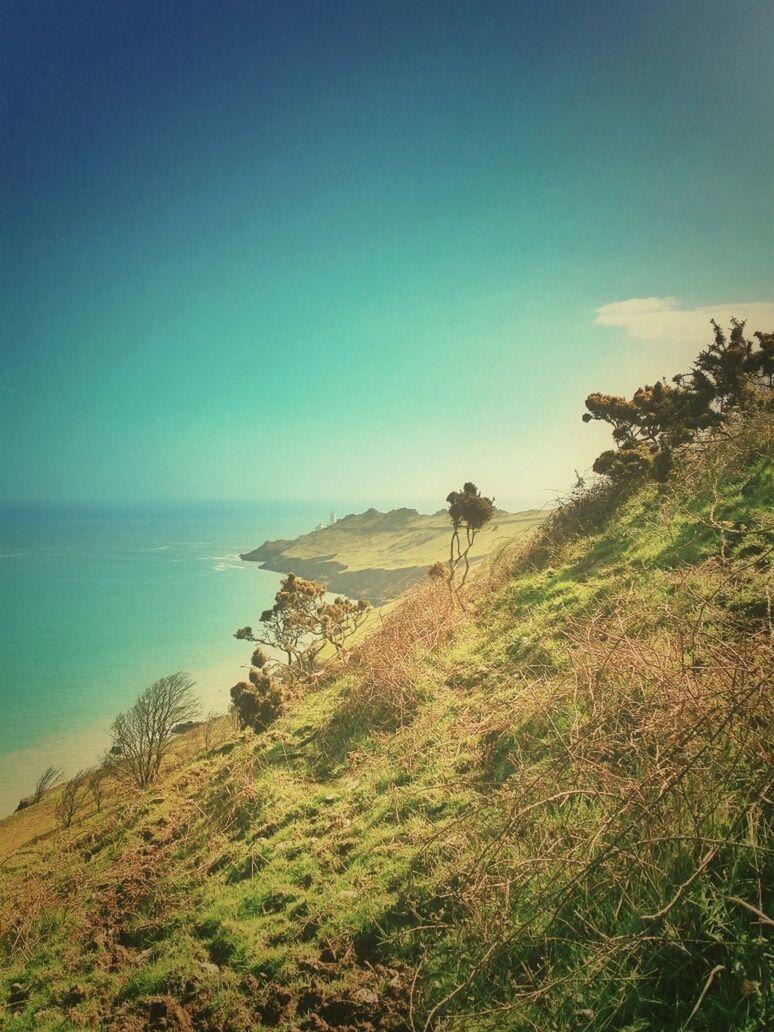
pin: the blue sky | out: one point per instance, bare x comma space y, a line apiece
358, 250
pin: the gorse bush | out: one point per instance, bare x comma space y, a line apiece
257, 702
657, 419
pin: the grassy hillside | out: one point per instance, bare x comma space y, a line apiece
549, 811
377, 555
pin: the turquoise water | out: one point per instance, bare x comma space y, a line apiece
97, 603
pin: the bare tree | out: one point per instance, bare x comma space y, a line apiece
51, 776
96, 784
142, 734
70, 799
208, 729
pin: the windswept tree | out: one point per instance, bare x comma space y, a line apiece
51, 776
469, 512
292, 624
71, 798
142, 734
301, 622
96, 782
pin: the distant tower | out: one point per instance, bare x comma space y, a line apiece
332, 518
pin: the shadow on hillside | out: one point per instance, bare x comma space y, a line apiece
343, 734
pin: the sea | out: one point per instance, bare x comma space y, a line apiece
98, 602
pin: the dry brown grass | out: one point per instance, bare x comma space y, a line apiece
388, 664
639, 778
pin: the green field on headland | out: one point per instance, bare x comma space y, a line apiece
377, 555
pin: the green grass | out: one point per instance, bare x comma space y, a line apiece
380, 554
369, 540
558, 836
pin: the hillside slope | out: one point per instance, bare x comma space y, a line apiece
548, 812
377, 555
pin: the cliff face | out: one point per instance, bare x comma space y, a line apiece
377, 555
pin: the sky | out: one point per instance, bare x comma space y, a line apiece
363, 250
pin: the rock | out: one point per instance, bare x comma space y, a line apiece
209, 968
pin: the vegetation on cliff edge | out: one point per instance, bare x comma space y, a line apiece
549, 810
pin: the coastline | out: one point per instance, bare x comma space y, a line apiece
82, 747
100, 602
378, 555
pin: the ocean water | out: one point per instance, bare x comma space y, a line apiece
97, 603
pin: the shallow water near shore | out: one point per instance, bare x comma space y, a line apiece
96, 603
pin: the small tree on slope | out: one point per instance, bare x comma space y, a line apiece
142, 734
300, 622
469, 511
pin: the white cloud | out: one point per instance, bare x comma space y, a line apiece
665, 318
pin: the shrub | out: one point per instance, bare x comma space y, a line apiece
258, 701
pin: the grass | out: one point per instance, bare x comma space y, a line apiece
370, 540
379, 555
549, 812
